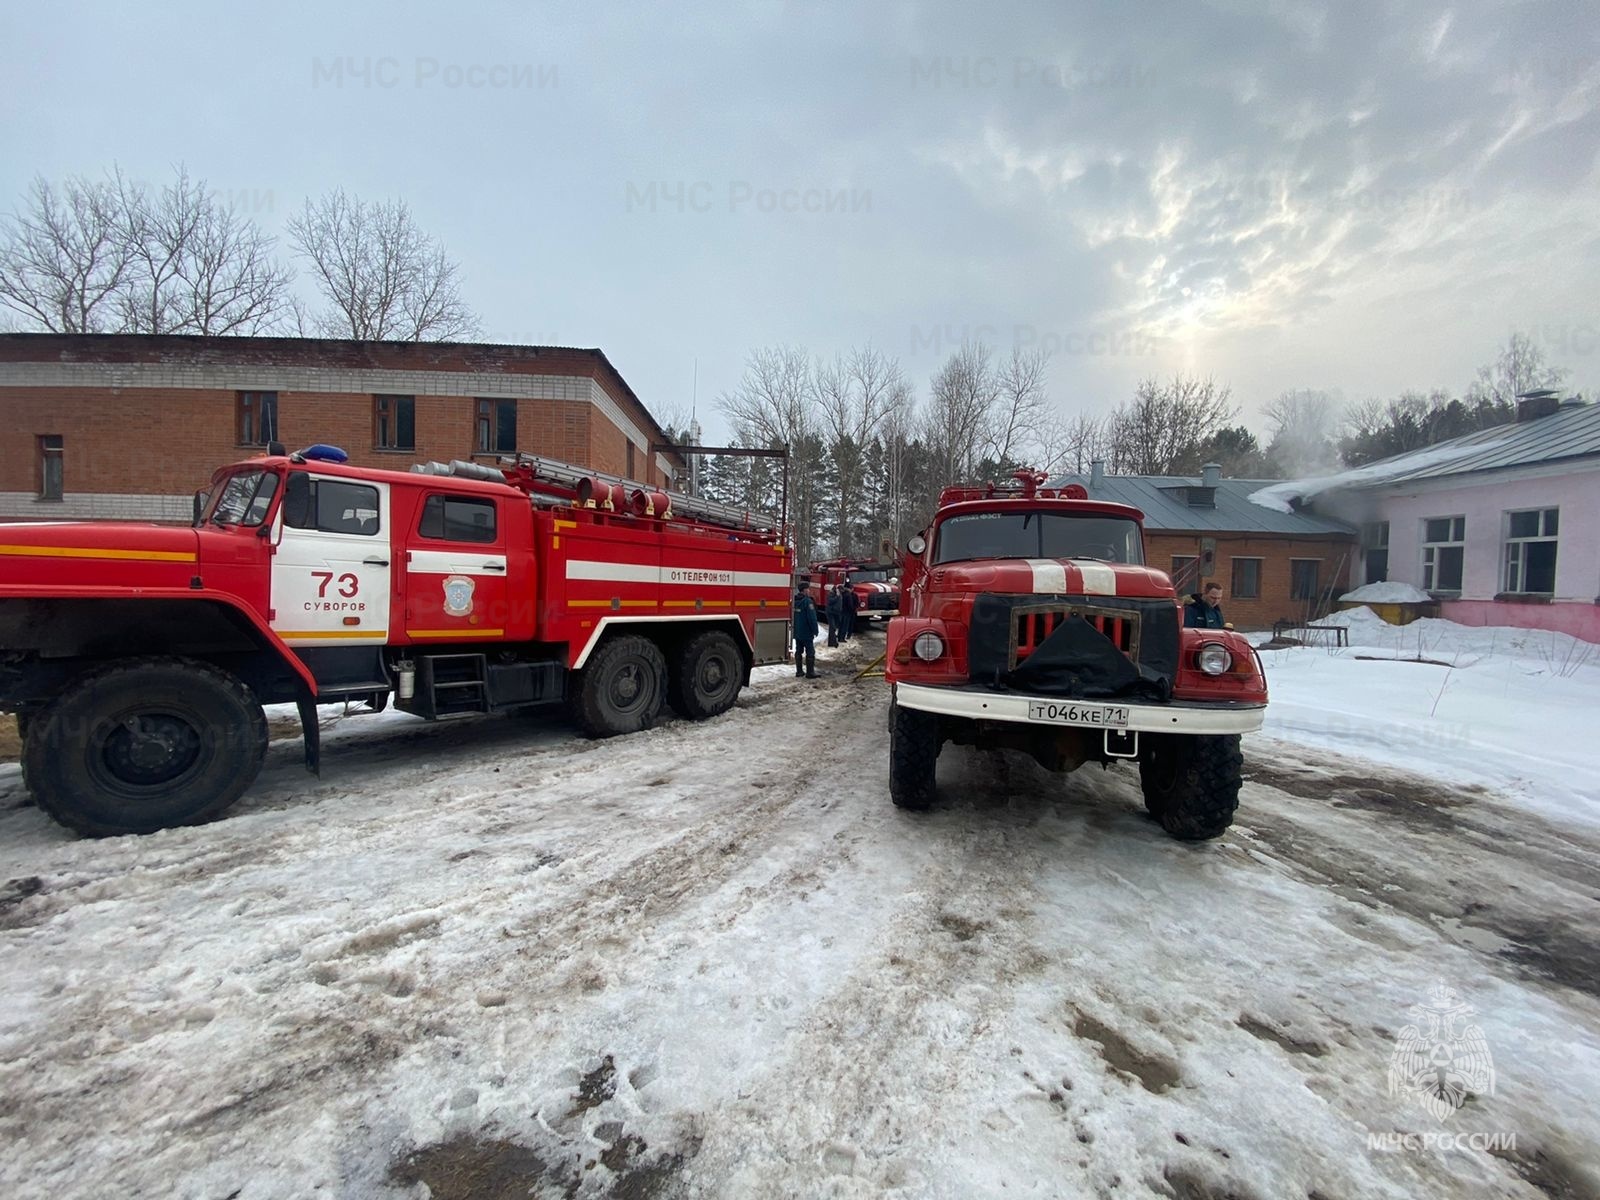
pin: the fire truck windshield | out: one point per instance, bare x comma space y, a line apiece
869, 575
244, 499
1038, 535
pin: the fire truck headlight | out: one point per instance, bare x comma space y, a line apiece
1215, 659
928, 645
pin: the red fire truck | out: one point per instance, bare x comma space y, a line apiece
1032, 622
876, 586
137, 657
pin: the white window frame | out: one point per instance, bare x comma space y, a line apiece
1431, 557
1514, 564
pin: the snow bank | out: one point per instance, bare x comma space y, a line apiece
1508, 708
1390, 592
1281, 497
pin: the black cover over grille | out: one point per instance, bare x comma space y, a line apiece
1077, 646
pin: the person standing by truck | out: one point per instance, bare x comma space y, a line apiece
1204, 610
834, 607
805, 632
849, 602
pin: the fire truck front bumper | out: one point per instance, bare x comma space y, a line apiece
1176, 716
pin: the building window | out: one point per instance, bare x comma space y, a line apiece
1303, 578
457, 519
1531, 551
1246, 579
1443, 548
394, 422
630, 471
52, 453
1375, 546
1185, 571
497, 427
256, 417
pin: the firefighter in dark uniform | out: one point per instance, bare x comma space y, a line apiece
1204, 609
805, 632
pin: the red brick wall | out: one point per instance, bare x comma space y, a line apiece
1275, 600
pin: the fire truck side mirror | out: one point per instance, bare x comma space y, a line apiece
297, 500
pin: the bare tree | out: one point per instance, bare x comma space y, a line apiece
775, 404
1019, 406
962, 399
1070, 445
854, 397
197, 266
1519, 367
65, 257
1162, 430
1305, 432
383, 276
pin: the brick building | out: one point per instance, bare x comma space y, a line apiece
1271, 564
116, 425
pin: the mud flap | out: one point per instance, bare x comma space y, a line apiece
312, 730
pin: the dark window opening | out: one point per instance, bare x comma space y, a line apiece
52, 466
497, 427
256, 418
394, 422
455, 519
1531, 551
1246, 582
1303, 578
1443, 553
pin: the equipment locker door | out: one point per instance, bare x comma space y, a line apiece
330, 572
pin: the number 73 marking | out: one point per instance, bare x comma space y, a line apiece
349, 585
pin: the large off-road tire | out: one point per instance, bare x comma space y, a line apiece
623, 686
1191, 784
706, 675
913, 754
143, 745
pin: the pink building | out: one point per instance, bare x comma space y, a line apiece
1502, 527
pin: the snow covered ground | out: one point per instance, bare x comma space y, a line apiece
487, 956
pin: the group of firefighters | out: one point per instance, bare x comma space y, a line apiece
841, 606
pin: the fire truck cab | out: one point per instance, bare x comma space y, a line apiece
137, 657
1032, 622
876, 586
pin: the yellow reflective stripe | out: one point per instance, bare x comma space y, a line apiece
329, 634
97, 552
456, 632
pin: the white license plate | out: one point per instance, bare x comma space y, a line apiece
1067, 713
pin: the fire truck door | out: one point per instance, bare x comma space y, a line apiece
331, 572
455, 584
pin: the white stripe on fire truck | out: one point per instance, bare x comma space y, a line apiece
1049, 576
454, 562
1098, 579
681, 576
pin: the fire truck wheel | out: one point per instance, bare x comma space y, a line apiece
707, 676
148, 744
913, 753
623, 686
1191, 784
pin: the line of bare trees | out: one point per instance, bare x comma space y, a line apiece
117, 256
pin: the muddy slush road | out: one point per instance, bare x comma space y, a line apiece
490, 959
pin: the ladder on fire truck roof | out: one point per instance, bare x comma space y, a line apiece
551, 481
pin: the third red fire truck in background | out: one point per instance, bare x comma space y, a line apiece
876, 586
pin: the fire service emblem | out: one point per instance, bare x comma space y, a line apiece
458, 595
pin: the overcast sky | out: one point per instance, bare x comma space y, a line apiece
1348, 196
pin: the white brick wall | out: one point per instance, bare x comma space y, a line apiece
90, 506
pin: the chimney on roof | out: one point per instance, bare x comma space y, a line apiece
1574, 402
1097, 474
1211, 475
1542, 402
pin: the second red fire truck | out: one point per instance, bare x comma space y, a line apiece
137, 657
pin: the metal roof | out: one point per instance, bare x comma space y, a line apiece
1164, 501
1572, 432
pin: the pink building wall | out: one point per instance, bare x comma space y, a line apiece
1484, 503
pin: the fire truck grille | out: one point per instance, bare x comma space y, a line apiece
1074, 645
883, 600
1032, 625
